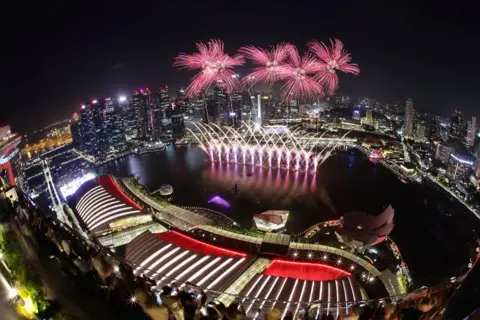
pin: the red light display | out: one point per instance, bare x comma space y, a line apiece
304, 270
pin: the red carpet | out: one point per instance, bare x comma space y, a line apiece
109, 184
304, 270
194, 245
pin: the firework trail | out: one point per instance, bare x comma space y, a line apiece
270, 63
334, 58
298, 74
216, 67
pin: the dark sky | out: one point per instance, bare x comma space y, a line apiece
56, 56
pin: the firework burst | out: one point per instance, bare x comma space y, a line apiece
334, 58
298, 74
270, 63
216, 67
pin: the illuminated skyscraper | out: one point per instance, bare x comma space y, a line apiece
459, 167
115, 127
159, 115
94, 129
408, 124
420, 132
457, 125
471, 132
141, 101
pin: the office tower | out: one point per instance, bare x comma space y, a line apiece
94, 129
457, 125
443, 152
459, 166
159, 117
115, 127
471, 132
235, 116
408, 123
141, 101
369, 116
420, 132
217, 105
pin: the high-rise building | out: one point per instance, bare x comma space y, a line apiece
160, 115
459, 166
457, 125
94, 129
408, 124
235, 116
443, 152
115, 127
75, 129
369, 116
420, 132
471, 132
141, 101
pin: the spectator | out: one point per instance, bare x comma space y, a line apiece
172, 303
155, 311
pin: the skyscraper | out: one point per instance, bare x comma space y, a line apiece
115, 127
459, 166
94, 129
141, 103
160, 115
457, 125
471, 132
408, 126
420, 132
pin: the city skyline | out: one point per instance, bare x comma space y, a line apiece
398, 51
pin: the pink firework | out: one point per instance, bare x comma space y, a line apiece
334, 58
270, 62
298, 74
216, 67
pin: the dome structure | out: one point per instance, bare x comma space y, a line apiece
166, 190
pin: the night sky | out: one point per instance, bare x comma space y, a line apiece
56, 56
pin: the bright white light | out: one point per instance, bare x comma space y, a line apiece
133, 299
12, 293
232, 114
116, 268
295, 254
94, 101
310, 255
325, 257
371, 279
83, 106
339, 261
122, 99
72, 186
352, 267
1, 255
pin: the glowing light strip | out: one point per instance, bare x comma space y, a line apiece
153, 256
169, 263
302, 264
91, 204
289, 299
251, 288
124, 196
201, 271
181, 275
346, 296
320, 299
87, 195
225, 273
220, 267
470, 163
209, 245
311, 291
150, 241
95, 199
93, 216
86, 210
163, 258
279, 291
353, 291
257, 294
338, 297
92, 196
266, 297
328, 301
179, 266
300, 300
110, 218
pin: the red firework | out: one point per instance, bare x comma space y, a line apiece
334, 58
298, 74
270, 62
216, 67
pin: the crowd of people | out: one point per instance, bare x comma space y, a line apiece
99, 273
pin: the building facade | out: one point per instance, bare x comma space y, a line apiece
471, 133
460, 167
408, 122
